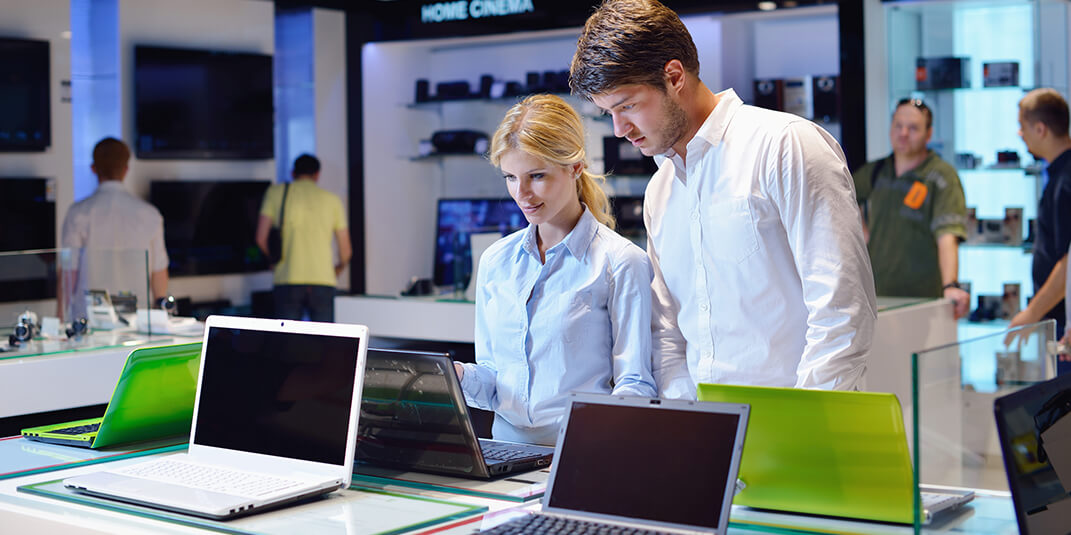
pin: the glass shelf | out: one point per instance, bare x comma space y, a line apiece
1026, 247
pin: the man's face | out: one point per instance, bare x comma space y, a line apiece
1028, 131
909, 133
647, 117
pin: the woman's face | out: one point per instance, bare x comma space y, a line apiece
545, 191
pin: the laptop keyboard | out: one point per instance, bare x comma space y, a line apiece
77, 430
503, 453
537, 524
934, 501
209, 478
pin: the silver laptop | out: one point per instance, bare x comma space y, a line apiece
275, 421
414, 417
628, 462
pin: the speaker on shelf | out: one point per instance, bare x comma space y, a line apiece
459, 142
453, 90
534, 82
486, 81
769, 94
513, 89
826, 98
423, 90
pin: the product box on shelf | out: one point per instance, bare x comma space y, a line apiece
942, 73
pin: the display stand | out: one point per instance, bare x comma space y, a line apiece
23, 457
522, 487
356, 510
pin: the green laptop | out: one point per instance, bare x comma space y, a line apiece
828, 453
153, 400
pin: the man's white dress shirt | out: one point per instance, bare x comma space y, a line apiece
113, 230
761, 274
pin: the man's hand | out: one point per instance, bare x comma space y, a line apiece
460, 370
1064, 347
1024, 317
961, 301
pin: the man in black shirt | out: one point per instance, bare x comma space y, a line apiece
1043, 125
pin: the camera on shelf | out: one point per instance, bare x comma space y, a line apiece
26, 327
79, 327
1006, 231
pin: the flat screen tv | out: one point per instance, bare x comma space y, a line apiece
25, 106
459, 218
201, 104
27, 222
209, 226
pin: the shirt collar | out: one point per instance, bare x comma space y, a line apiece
576, 242
110, 185
1059, 163
931, 156
712, 131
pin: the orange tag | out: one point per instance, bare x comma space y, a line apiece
915, 196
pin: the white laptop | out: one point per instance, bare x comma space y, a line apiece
628, 462
275, 421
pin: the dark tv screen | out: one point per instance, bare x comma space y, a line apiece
457, 219
199, 104
25, 120
210, 226
27, 222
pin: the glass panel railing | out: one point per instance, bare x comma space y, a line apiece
955, 441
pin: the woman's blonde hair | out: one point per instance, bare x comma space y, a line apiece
547, 127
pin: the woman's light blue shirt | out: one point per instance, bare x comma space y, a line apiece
581, 322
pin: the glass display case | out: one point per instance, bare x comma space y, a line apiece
971, 62
955, 440
57, 300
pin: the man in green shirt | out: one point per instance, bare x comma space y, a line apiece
914, 213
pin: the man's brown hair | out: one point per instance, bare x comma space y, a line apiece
1047, 106
630, 42
110, 157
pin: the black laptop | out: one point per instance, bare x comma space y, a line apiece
414, 417
1034, 425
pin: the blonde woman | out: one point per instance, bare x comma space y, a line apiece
565, 304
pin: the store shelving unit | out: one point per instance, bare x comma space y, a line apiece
983, 120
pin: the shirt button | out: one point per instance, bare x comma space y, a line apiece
695, 215
704, 307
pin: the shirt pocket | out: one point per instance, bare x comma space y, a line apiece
729, 230
575, 311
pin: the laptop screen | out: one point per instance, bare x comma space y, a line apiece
277, 393
660, 465
1035, 434
410, 415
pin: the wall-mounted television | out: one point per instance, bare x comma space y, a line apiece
27, 222
202, 104
25, 106
210, 226
459, 218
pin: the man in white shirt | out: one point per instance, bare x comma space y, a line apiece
113, 229
761, 274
